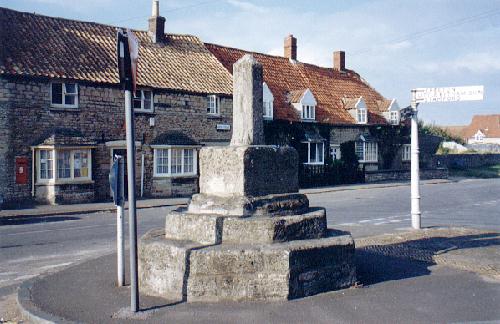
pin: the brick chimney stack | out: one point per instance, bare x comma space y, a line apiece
156, 28
339, 61
291, 47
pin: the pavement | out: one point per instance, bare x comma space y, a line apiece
438, 274
72, 209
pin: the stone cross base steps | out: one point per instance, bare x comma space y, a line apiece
211, 258
249, 235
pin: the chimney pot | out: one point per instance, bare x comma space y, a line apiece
156, 28
339, 61
156, 8
291, 47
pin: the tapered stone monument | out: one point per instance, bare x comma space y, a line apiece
249, 234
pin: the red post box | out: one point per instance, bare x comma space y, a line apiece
21, 170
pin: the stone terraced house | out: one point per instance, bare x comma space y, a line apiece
62, 110
330, 106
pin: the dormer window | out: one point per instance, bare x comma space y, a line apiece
394, 118
391, 109
357, 109
361, 115
308, 112
479, 136
305, 103
268, 101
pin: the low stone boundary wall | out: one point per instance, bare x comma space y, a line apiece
466, 161
386, 175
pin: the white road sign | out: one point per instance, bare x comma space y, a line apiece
449, 94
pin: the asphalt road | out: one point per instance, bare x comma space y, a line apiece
473, 202
38, 245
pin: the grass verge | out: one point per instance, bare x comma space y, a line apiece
485, 172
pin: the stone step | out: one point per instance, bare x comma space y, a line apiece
216, 229
237, 272
271, 271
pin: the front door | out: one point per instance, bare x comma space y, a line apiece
123, 153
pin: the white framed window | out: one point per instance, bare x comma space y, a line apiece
70, 164
64, 95
268, 109
406, 152
366, 151
143, 101
213, 105
479, 136
175, 161
335, 152
394, 117
361, 115
308, 112
45, 164
315, 153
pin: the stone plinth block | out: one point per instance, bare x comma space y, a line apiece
248, 170
270, 271
184, 270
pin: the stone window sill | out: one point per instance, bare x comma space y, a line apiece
215, 117
143, 112
68, 109
159, 177
63, 182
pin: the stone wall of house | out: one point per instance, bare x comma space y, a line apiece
71, 193
466, 161
342, 134
400, 175
100, 117
4, 139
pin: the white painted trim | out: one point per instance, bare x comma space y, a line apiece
55, 179
267, 97
169, 164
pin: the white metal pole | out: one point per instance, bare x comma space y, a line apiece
142, 175
415, 176
120, 240
129, 119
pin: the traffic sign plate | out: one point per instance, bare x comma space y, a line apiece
449, 94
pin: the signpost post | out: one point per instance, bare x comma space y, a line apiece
421, 95
128, 51
117, 183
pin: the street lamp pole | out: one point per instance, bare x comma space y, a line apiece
415, 169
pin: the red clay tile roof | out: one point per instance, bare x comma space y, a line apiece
295, 95
350, 103
35, 45
328, 86
488, 124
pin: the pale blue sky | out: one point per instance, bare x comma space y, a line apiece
395, 45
